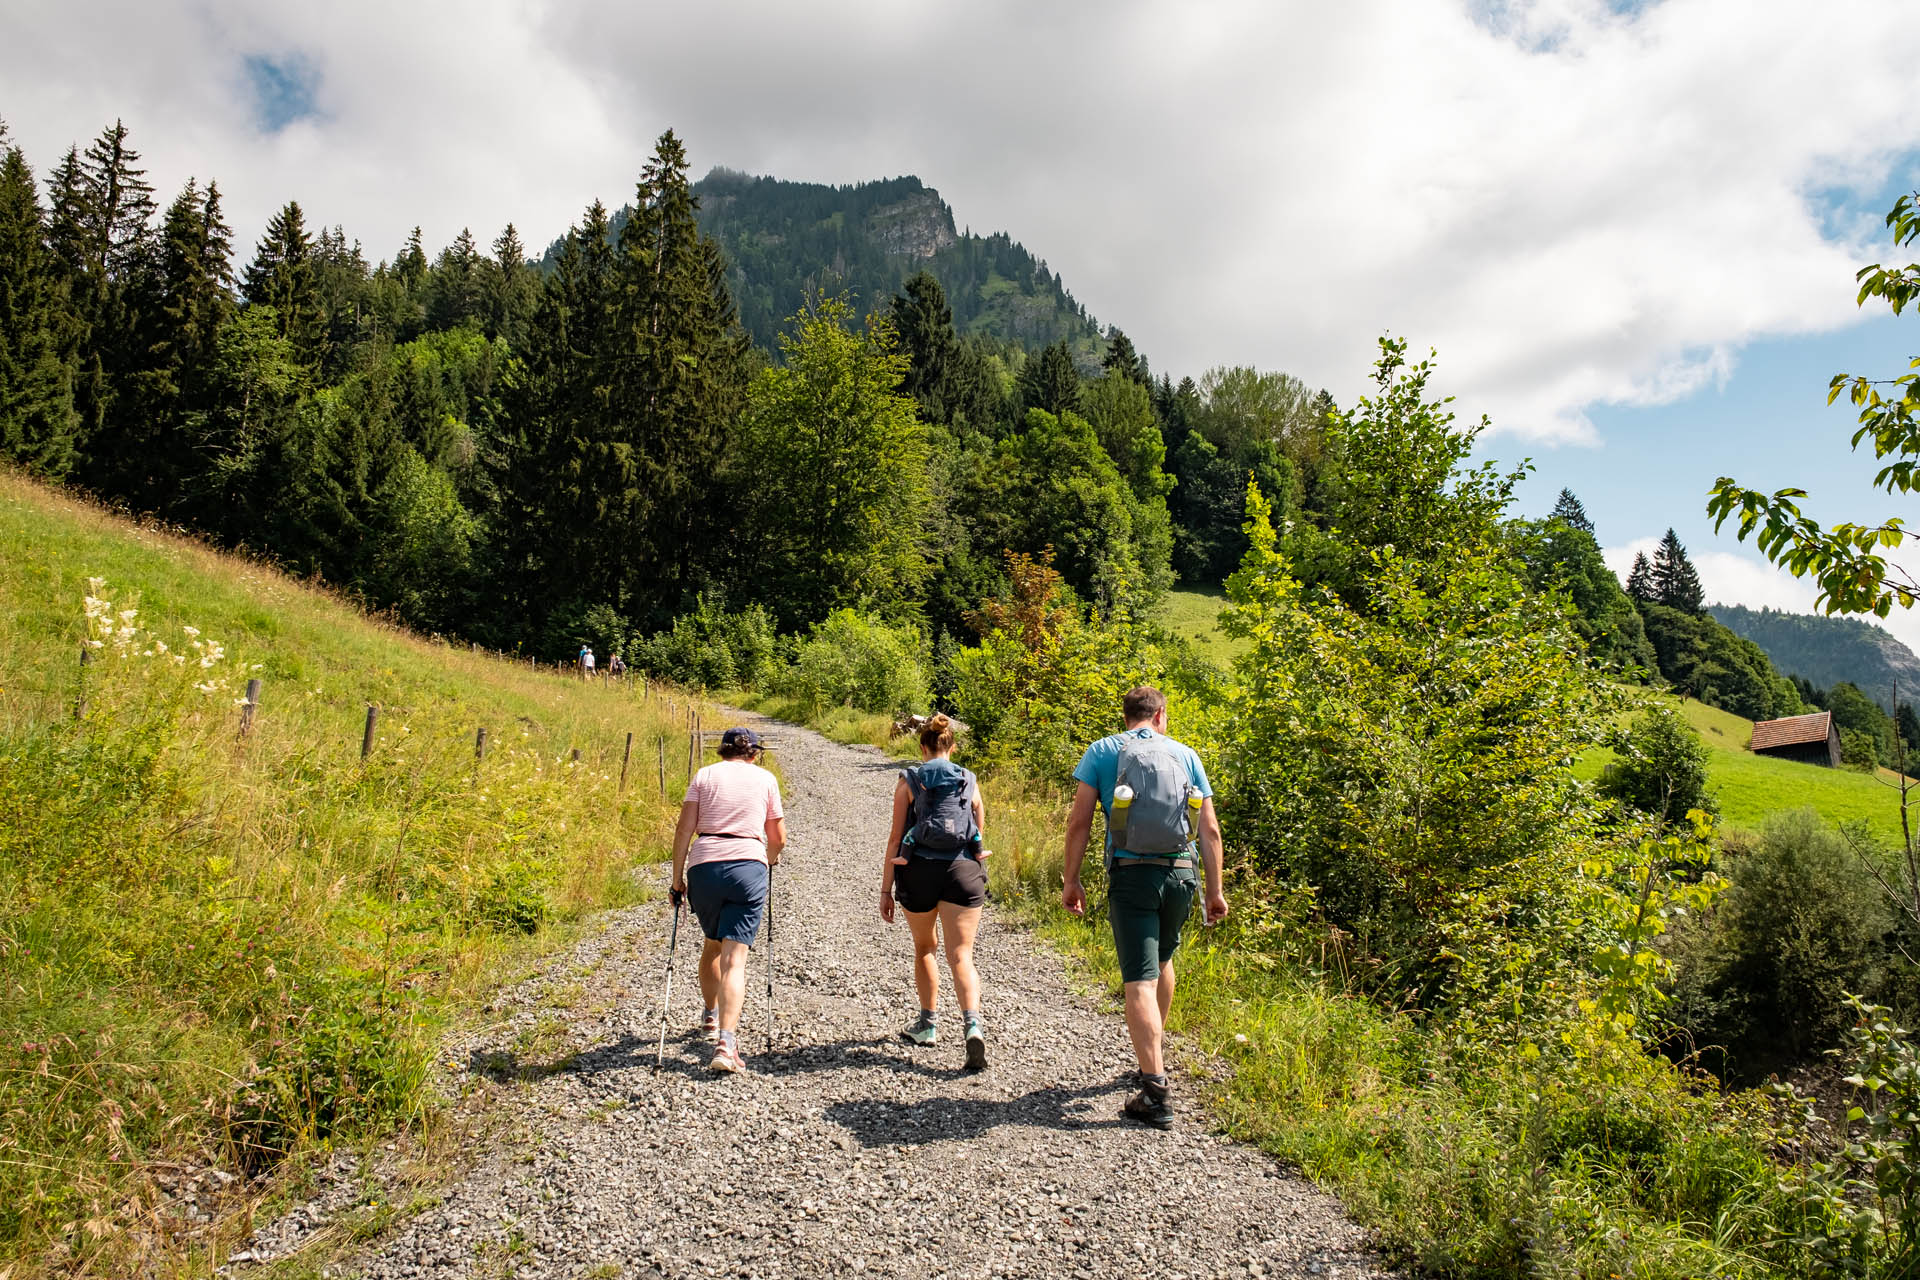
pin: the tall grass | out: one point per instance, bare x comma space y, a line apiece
216, 949
1593, 1161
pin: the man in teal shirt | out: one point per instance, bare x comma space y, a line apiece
1148, 898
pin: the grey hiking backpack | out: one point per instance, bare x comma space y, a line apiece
940, 815
1160, 819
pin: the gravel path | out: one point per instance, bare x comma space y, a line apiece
847, 1151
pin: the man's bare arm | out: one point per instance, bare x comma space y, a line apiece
1079, 827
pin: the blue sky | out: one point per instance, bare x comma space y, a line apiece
1769, 427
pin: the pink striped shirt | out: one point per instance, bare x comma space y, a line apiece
737, 800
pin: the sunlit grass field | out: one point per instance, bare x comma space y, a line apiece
1750, 787
216, 950
1194, 616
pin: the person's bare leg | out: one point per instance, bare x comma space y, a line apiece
959, 925
731, 981
926, 956
1165, 991
709, 974
1144, 1023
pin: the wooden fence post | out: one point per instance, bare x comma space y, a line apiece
480, 743
366, 739
249, 707
624, 759
660, 759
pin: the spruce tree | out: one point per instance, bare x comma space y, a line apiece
1122, 359
454, 288
38, 423
1049, 382
1640, 579
100, 233
349, 314
192, 298
554, 468
510, 290
677, 380
1568, 510
281, 276
1675, 582
923, 321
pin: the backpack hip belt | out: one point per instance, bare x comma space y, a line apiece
1128, 859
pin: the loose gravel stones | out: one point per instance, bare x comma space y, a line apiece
846, 1151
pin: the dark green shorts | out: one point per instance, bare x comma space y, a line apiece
1148, 905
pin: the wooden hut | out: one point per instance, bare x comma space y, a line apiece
1813, 739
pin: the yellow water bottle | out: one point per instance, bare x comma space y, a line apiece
1122, 804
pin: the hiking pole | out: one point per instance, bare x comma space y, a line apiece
769, 957
673, 940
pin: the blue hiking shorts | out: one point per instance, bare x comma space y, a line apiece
728, 897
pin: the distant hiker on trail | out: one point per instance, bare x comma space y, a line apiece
932, 867
615, 667
1158, 803
586, 663
731, 830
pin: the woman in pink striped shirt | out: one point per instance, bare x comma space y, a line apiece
731, 831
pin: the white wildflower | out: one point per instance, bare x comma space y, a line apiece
192, 631
160, 646
96, 585
96, 644
128, 615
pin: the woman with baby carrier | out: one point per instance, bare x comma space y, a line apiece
933, 868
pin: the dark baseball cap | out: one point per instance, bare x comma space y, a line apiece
738, 739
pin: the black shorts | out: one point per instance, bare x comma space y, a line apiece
924, 883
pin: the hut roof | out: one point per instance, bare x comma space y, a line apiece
1792, 730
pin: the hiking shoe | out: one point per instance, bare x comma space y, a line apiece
726, 1059
976, 1046
922, 1031
1145, 1108
710, 1026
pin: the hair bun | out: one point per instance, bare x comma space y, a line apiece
940, 720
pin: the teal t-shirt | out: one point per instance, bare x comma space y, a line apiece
1099, 768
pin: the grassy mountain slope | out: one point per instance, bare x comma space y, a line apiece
216, 950
1828, 650
1751, 787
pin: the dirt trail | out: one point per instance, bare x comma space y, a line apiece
847, 1151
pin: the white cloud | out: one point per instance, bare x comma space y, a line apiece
1731, 578
1574, 205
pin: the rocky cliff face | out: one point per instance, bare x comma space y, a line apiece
1828, 650
917, 227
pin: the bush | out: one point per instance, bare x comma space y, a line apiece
711, 648
1863, 1206
344, 1059
1662, 767
513, 899
853, 660
1765, 978
1859, 750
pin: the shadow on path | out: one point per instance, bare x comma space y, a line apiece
881, 1123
